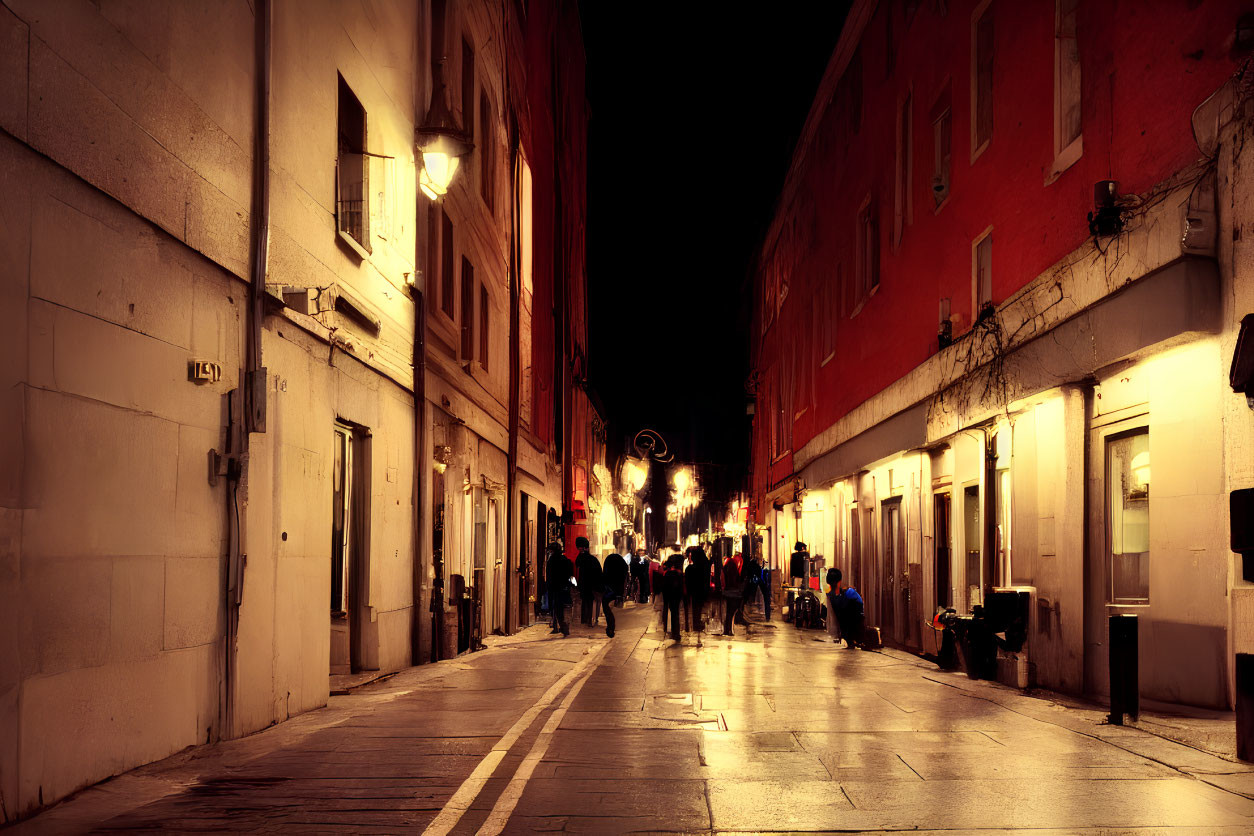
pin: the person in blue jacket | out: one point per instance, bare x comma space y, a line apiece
848, 609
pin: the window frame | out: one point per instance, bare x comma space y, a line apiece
467, 320
830, 315
468, 88
487, 149
1066, 151
903, 203
345, 95
866, 265
978, 146
977, 303
941, 117
1106, 429
447, 261
484, 332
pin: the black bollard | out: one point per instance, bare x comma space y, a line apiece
1125, 691
1245, 706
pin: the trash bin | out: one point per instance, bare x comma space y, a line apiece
976, 644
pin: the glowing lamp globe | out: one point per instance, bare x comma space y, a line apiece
439, 164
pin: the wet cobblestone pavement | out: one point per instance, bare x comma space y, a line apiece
775, 731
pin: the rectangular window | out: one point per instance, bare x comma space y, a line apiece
941, 116
431, 266
902, 209
525, 235
352, 178
447, 301
1066, 84
982, 274
468, 90
868, 277
854, 74
1003, 573
468, 312
487, 150
981, 78
803, 353
1127, 516
484, 312
828, 311
781, 443
973, 539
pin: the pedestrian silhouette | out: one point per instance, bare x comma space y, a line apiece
591, 581
672, 596
558, 571
614, 575
732, 594
697, 587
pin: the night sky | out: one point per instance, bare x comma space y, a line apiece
695, 109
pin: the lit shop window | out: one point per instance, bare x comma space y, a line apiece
1128, 521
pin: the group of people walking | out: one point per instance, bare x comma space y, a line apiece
690, 582
598, 586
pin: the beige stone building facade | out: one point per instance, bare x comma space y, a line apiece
214, 259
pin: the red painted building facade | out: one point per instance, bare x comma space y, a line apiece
939, 194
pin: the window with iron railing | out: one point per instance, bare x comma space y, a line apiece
352, 174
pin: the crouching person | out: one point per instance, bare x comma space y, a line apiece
848, 609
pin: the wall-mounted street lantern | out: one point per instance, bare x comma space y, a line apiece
440, 140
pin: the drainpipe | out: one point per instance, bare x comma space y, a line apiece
247, 408
513, 510
423, 459
421, 464
562, 352
513, 503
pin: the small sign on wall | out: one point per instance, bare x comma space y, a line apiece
203, 371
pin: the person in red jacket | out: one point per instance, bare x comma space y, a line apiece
732, 593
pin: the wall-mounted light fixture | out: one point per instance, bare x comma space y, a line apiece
1106, 219
440, 140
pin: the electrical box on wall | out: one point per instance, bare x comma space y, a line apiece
203, 371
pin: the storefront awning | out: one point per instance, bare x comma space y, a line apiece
782, 494
904, 431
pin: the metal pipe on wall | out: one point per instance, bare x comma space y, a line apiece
513, 511
421, 464
247, 408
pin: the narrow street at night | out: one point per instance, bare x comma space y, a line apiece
385, 385
774, 730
